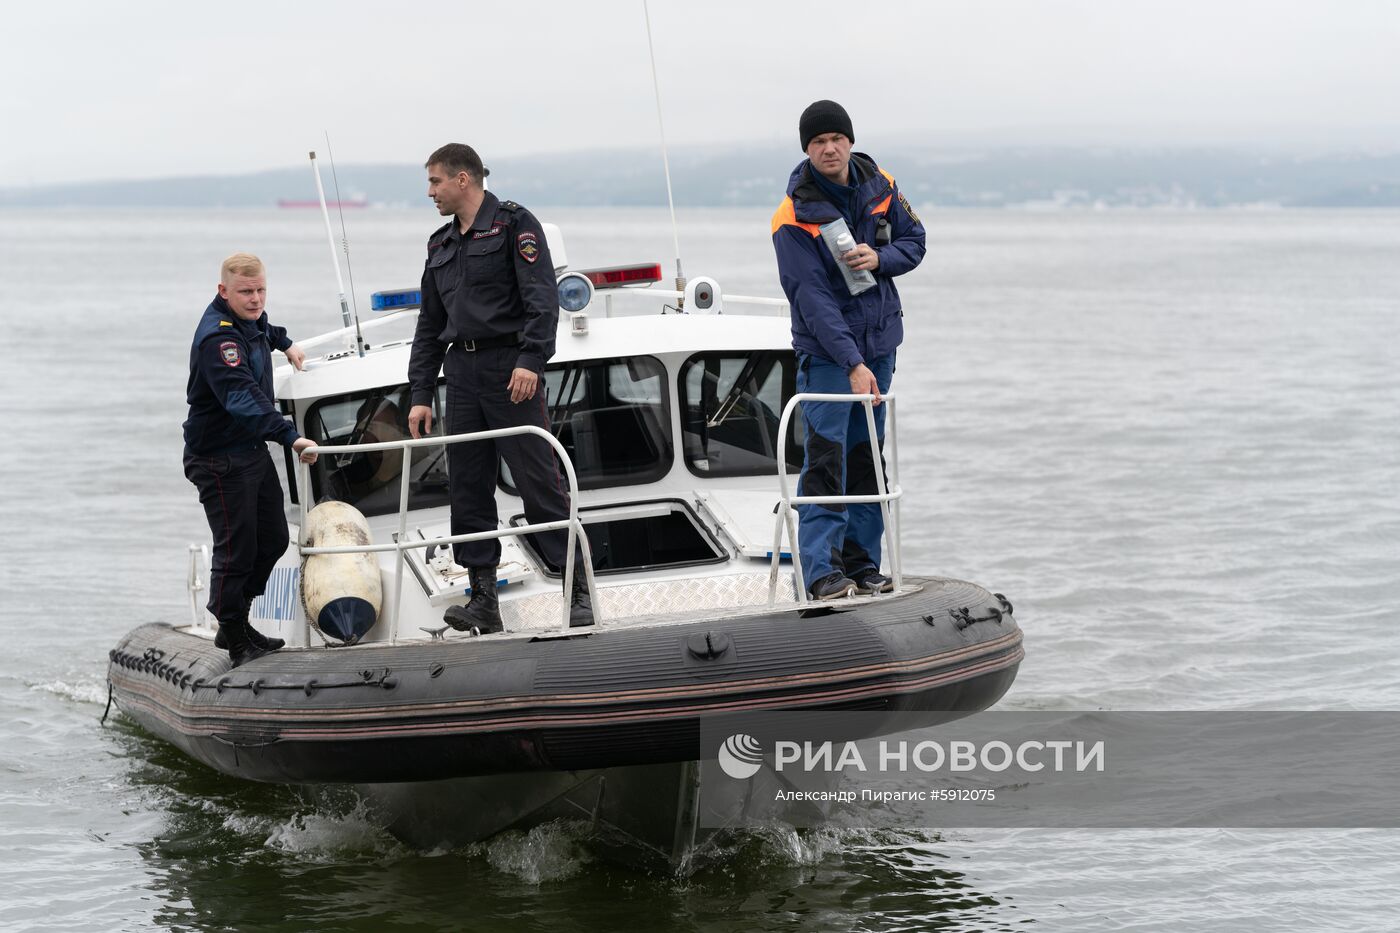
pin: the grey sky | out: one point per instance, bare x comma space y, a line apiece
145, 88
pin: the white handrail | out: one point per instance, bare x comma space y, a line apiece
330, 335
606, 294
572, 523
609, 294
194, 582
884, 497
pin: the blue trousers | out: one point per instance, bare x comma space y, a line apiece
844, 538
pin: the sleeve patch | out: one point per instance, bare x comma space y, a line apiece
528, 246
229, 351
904, 203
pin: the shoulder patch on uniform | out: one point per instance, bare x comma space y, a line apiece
528, 246
225, 323
904, 203
229, 351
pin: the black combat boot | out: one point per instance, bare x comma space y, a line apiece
580, 606
241, 649
483, 612
256, 637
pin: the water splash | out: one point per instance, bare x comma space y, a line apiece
550, 852
329, 835
322, 834
780, 846
92, 692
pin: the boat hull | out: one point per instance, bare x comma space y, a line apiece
621, 696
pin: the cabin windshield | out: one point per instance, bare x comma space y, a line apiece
370, 481
610, 415
730, 407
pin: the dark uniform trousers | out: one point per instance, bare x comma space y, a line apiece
242, 499
478, 400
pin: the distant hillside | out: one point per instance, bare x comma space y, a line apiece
756, 177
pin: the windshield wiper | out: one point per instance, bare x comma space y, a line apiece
746, 375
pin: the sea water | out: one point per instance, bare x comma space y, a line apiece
1170, 438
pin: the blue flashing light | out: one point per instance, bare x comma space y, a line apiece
396, 300
575, 292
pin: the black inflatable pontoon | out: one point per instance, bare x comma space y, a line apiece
623, 695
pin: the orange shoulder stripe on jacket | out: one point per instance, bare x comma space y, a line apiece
885, 204
786, 216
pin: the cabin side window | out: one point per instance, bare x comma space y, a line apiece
730, 407
613, 418
370, 481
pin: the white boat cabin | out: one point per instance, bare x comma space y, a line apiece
669, 419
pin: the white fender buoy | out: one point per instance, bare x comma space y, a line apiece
341, 593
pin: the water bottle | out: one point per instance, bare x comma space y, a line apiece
839, 240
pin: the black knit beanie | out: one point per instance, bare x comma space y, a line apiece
825, 116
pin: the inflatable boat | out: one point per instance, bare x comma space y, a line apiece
627, 694
680, 439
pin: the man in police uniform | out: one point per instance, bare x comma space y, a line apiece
490, 309
232, 417
845, 343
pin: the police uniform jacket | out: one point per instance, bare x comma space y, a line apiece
492, 282
230, 385
827, 320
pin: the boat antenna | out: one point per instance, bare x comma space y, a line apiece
344, 237
665, 162
345, 317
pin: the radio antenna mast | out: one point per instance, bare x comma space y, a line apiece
344, 237
346, 318
665, 162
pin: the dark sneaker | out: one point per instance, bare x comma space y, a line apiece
872, 582
832, 586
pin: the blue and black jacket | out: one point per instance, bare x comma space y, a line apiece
230, 387
827, 320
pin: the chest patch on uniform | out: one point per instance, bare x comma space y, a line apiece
229, 351
483, 234
908, 210
529, 247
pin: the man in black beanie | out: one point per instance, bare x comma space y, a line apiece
844, 342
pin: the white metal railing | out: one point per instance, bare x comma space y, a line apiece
344, 332
572, 523
610, 294
198, 572
885, 496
